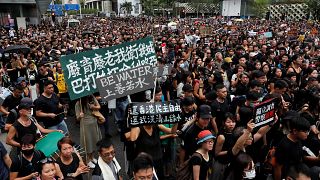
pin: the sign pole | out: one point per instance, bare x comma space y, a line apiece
154, 89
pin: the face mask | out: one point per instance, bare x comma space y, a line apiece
182, 65
249, 174
27, 152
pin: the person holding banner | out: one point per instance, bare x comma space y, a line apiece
90, 133
147, 139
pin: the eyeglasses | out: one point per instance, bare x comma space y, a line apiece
46, 160
112, 153
209, 141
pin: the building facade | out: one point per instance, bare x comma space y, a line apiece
114, 6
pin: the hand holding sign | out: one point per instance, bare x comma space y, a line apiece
250, 125
264, 113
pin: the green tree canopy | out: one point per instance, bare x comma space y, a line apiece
126, 7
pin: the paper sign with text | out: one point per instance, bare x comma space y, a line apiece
264, 113
167, 112
126, 82
163, 70
81, 70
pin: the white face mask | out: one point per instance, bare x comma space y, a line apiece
250, 174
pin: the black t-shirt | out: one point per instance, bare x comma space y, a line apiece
25, 167
204, 165
13, 116
219, 110
49, 105
229, 142
288, 153
241, 89
11, 102
190, 140
13, 74
149, 144
246, 114
70, 168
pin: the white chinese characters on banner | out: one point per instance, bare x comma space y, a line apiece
84, 68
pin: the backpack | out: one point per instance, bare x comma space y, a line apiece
185, 171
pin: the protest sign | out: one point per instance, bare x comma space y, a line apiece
163, 70
81, 70
126, 82
168, 112
268, 34
264, 112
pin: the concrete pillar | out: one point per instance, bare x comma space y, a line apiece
102, 6
21, 10
97, 5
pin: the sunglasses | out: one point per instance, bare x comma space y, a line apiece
46, 160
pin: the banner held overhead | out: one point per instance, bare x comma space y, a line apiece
81, 70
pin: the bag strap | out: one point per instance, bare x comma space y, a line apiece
196, 154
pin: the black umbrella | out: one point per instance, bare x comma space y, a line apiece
87, 32
17, 49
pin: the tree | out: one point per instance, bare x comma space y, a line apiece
259, 7
126, 7
314, 8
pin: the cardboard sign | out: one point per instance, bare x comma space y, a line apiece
126, 82
168, 112
264, 113
81, 70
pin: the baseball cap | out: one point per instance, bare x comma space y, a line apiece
205, 111
204, 135
25, 103
20, 79
228, 60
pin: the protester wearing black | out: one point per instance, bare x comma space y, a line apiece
25, 164
49, 110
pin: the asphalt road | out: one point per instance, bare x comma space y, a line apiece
74, 129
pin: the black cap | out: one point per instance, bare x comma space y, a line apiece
205, 111
25, 103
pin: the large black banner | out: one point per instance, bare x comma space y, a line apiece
168, 112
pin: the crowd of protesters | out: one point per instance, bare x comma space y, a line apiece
219, 75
